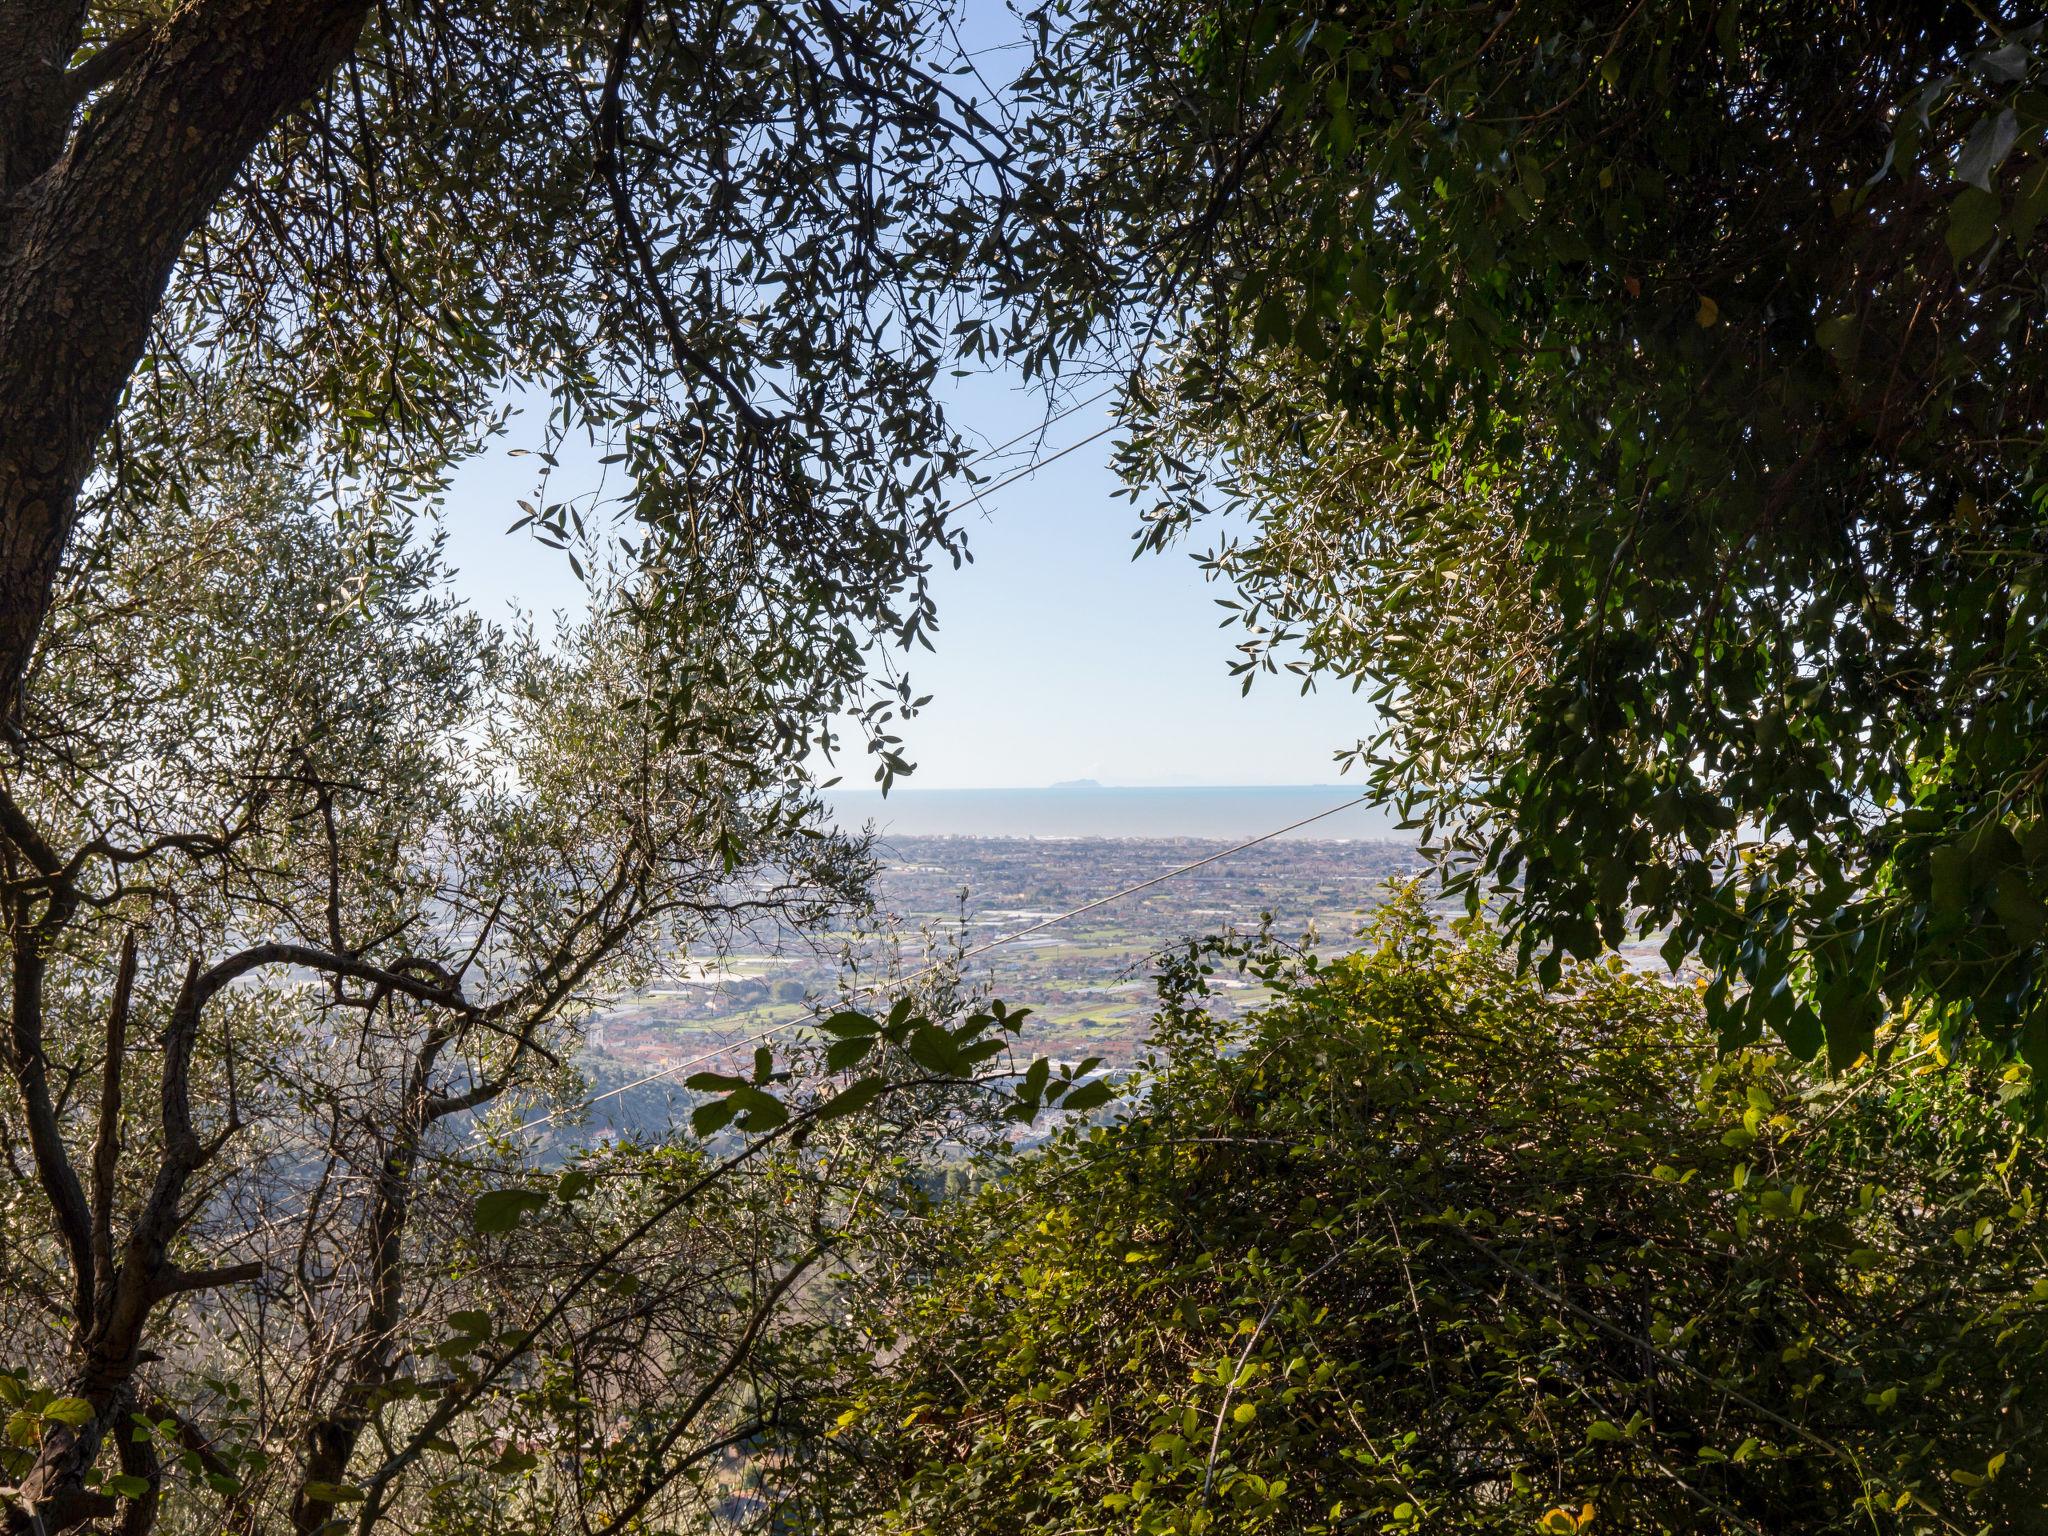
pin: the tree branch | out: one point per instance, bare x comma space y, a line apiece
611, 138
30, 1066
394, 979
106, 1152
656, 1476
106, 217
378, 1485
177, 1282
87, 76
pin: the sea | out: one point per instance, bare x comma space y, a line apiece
1229, 813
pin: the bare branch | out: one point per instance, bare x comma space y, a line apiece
22, 832
88, 75
30, 1065
306, 956
106, 1152
657, 1474
177, 1282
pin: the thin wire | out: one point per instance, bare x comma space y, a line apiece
899, 982
903, 981
1010, 479
1027, 469
1051, 421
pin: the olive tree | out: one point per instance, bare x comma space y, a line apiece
307, 868
736, 245
304, 869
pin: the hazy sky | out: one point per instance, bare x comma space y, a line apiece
1058, 656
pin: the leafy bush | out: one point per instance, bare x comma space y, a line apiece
1431, 1248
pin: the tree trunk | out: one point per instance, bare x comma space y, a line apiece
94, 210
330, 1441
53, 1495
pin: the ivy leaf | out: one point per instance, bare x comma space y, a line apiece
573, 1184
1091, 1095
1949, 869
1035, 1078
852, 1098
1989, 143
710, 1119
1972, 221
850, 1025
74, 1411
763, 1111
500, 1210
1849, 1015
1838, 337
713, 1082
841, 1054
933, 1049
2031, 204
1801, 1032
2019, 909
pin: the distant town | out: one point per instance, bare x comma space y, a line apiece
1088, 979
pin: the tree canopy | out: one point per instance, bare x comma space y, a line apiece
269, 274
1643, 405
307, 870
735, 246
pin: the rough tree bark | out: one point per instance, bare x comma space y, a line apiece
114, 1305
331, 1440
108, 165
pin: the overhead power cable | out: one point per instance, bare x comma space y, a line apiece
1024, 470
898, 983
1051, 421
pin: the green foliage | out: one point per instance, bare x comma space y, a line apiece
1644, 405
1431, 1249
500, 1209
735, 247
263, 746
914, 1052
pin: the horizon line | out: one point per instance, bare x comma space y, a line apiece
908, 788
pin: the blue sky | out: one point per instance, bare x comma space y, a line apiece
1059, 657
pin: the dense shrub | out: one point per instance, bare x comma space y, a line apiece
1431, 1248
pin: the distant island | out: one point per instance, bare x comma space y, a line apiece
1078, 784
